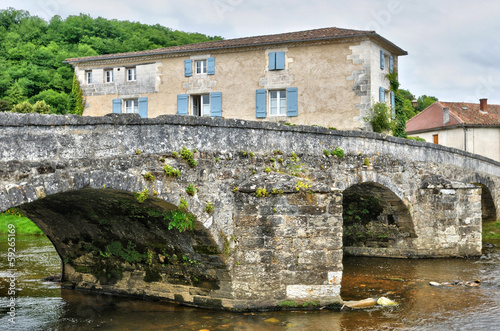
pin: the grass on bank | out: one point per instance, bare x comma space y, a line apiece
491, 230
23, 224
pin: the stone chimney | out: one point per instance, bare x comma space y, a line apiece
483, 105
446, 115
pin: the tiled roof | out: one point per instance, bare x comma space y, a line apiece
309, 35
461, 113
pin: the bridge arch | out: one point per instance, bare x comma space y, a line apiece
376, 222
489, 198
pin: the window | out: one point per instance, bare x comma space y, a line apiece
201, 105
88, 77
108, 76
132, 106
201, 67
277, 103
276, 60
131, 74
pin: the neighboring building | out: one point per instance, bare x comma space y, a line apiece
470, 127
328, 77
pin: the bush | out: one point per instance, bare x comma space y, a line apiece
380, 120
41, 107
23, 107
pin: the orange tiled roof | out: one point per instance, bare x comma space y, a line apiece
461, 113
309, 35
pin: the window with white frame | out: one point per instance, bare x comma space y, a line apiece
88, 76
131, 74
132, 106
277, 103
201, 67
201, 105
108, 76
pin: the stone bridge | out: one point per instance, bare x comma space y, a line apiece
268, 204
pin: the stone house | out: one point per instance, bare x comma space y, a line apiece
328, 77
472, 127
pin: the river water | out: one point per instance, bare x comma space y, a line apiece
45, 306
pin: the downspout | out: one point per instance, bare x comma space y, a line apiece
465, 137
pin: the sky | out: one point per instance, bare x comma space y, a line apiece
453, 45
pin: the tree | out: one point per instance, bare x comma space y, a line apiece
425, 101
76, 102
41, 107
15, 94
23, 107
381, 120
4, 106
58, 101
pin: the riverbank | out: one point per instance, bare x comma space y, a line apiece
23, 225
491, 230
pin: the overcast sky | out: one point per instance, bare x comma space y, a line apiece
453, 45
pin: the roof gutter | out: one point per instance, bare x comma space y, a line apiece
402, 52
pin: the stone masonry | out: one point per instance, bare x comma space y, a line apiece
275, 233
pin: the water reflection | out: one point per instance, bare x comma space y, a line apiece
43, 305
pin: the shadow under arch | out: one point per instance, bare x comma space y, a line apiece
109, 242
376, 222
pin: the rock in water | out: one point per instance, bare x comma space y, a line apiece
434, 284
383, 301
366, 303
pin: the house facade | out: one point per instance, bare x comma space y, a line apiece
472, 127
328, 77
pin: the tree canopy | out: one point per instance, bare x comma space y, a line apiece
32, 52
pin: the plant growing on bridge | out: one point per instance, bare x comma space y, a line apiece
338, 152
183, 204
142, 196
243, 153
302, 186
209, 208
138, 151
175, 154
180, 219
294, 157
267, 170
188, 156
366, 162
171, 171
149, 177
191, 189
261, 192
326, 152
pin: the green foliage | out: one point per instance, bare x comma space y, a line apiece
359, 208
32, 52
142, 196
251, 154
399, 126
491, 230
188, 156
294, 157
288, 303
209, 207
23, 107
5, 106
326, 152
171, 171
267, 170
128, 253
261, 192
23, 225
191, 189
243, 153
381, 118
183, 204
175, 154
416, 138
58, 101
338, 152
275, 191
149, 177
180, 219
425, 101
366, 162
41, 107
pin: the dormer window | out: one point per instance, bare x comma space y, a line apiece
88, 76
131, 74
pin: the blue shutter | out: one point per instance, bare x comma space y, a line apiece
280, 60
381, 97
382, 59
182, 104
216, 104
188, 68
143, 107
211, 66
260, 103
291, 101
117, 106
391, 63
272, 61
393, 105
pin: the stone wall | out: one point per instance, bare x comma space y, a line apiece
289, 242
